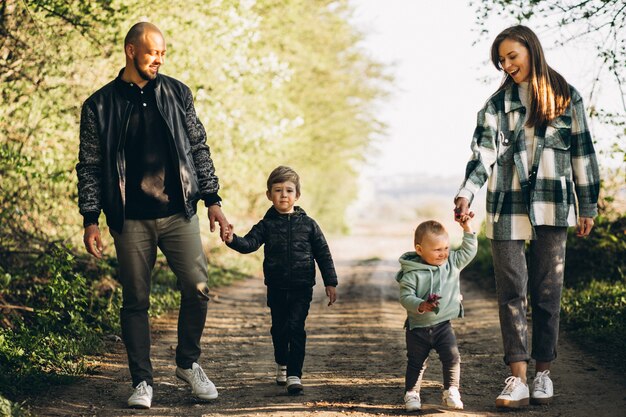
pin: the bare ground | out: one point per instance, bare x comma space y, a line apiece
355, 356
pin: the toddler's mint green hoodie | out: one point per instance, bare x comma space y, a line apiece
418, 280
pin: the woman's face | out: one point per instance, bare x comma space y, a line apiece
515, 60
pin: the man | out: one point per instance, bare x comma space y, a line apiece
144, 161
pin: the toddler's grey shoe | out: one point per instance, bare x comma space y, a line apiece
142, 396
412, 401
543, 390
452, 398
514, 395
201, 385
281, 374
294, 385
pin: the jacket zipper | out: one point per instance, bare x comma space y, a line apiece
289, 248
121, 161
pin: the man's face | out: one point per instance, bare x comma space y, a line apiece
148, 54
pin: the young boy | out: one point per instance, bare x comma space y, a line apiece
293, 242
430, 292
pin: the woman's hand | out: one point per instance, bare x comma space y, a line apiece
585, 224
461, 209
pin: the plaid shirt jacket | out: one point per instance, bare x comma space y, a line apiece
563, 181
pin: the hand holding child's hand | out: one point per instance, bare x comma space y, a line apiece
331, 293
228, 235
464, 221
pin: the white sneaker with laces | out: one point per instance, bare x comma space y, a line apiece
281, 374
452, 398
201, 385
412, 401
294, 385
142, 396
514, 395
543, 390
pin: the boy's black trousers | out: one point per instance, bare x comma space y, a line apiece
289, 308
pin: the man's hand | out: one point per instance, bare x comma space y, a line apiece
93, 241
215, 214
331, 293
585, 224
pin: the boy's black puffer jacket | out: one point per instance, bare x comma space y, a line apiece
293, 242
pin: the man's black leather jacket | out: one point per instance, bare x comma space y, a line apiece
101, 167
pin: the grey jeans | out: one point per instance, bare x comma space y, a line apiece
419, 342
136, 247
541, 275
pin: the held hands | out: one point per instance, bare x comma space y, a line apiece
462, 214
331, 293
93, 240
228, 237
216, 215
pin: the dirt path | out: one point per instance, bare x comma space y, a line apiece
355, 357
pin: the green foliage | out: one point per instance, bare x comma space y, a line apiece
595, 315
11, 409
275, 82
600, 256
63, 321
599, 307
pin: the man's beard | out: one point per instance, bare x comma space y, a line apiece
143, 74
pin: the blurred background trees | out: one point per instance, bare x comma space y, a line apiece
275, 82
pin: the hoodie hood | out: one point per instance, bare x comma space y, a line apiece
411, 261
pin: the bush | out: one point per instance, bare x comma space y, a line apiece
595, 315
61, 320
11, 409
601, 256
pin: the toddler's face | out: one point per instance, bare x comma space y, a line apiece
434, 249
283, 196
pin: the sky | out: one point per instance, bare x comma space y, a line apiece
440, 81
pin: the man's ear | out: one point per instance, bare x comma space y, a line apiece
130, 50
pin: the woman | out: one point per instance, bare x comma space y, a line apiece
533, 148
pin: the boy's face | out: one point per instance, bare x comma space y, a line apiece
283, 195
434, 249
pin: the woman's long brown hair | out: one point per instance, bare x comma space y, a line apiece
549, 92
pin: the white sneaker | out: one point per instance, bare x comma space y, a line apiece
543, 389
514, 395
452, 398
412, 401
294, 385
142, 396
281, 374
201, 385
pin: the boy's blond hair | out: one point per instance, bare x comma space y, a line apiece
428, 227
282, 174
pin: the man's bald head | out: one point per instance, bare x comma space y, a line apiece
137, 31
